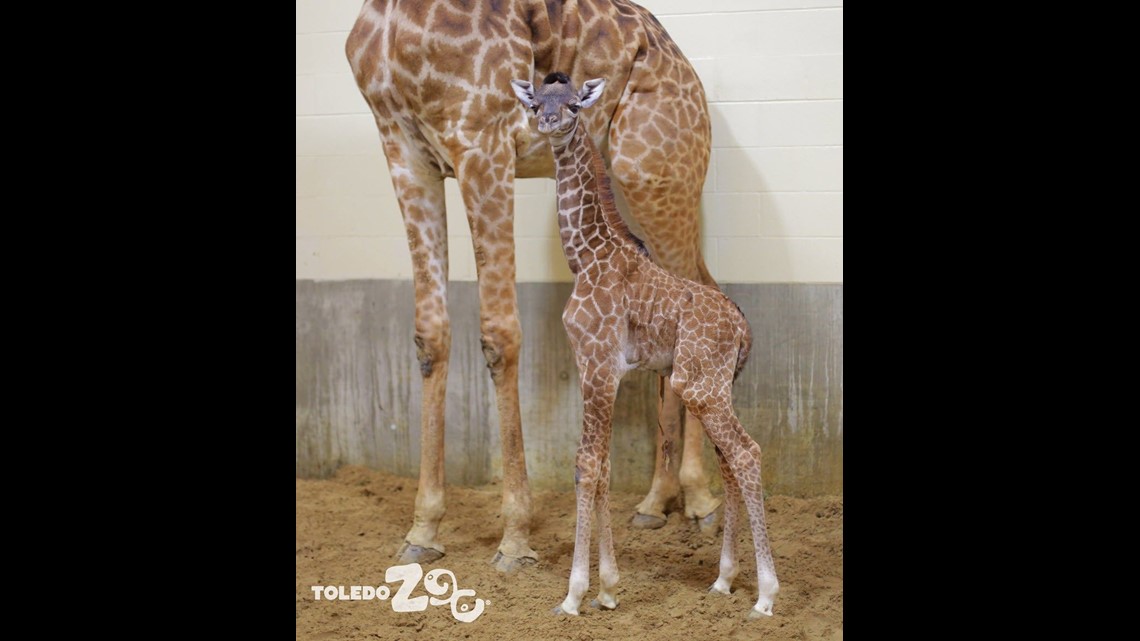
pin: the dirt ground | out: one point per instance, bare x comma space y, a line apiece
348, 528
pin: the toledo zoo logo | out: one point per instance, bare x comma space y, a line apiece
409, 575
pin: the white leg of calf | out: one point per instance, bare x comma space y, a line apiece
579, 583
728, 564
767, 586
728, 570
607, 596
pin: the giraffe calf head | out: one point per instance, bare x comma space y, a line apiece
556, 103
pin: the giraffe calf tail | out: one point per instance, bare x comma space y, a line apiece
745, 344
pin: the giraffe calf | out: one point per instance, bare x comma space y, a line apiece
627, 313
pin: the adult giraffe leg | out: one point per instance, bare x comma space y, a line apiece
666, 488
660, 155
700, 504
486, 180
419, 190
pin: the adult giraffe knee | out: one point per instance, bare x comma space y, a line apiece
433, 344
501, 339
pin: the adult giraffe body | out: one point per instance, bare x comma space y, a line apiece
437, 76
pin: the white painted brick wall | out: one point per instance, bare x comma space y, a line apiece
772, 209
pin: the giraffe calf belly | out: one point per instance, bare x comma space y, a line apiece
641, 351
657, 362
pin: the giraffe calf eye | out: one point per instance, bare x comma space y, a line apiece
574, 108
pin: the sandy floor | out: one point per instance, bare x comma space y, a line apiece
349, 526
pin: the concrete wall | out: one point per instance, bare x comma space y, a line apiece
358, 387
772, 234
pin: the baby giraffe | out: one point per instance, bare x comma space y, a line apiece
626, 313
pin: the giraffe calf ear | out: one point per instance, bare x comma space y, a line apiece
525, 91
591, 91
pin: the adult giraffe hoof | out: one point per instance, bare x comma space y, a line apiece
647, 521
410, 553
510, 564
594, 603
710, 522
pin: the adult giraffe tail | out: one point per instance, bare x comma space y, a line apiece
705, 278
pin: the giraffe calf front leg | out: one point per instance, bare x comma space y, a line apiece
585, 481
607, 565
590, 466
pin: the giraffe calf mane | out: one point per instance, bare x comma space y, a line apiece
609, 207
745, 348
557, 76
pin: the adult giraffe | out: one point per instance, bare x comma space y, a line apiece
437, 76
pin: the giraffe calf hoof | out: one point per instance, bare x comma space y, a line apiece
595, 603
558, 611
511, 564
762, 609
721, 587
411, 553
760, 614
647, 521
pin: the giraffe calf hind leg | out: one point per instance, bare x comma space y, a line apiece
728, 563
745, 464
739, 458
